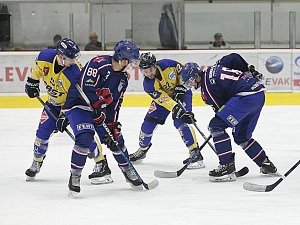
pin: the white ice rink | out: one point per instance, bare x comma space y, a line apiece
187, 200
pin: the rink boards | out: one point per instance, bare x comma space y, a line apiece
143, 100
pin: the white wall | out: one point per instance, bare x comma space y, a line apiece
15, 67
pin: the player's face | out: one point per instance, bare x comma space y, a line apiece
149, 72
69, 62
65, 61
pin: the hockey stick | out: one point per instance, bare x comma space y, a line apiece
165, 174
68, 132
153, 184
54, 117
267, 188
241, 172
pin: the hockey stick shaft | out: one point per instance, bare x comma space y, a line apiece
149, 186
54, 116
198, 129
165, 174
239, 173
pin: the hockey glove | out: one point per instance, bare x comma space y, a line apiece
257, 75
62, 123
180, 113
32, 88
115, 128
99, 112
178, 93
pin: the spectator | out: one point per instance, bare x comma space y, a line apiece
94, 44
219, 42
57, 38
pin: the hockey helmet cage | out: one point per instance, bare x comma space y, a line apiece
68, 48
188, 74
126, 50
147, 60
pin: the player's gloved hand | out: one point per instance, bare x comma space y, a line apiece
32, 87
61, 123
178, 93
99, 112
255, 73
180, 113
115, 128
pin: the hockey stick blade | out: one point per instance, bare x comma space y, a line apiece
166, 174
150, 186
267, 188
259, 187
242, 172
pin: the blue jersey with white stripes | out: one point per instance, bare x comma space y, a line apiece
227, 78
99, 76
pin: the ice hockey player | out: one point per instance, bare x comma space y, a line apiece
232, 87
162, 82
58, 68
103, 80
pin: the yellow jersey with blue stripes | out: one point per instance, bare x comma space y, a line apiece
57, 79
161, 88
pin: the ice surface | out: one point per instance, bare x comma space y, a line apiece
187, 200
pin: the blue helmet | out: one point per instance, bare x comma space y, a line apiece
190, 70
68, 48
126, 50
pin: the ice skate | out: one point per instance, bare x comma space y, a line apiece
33, 170
139, 155
74, 185
132, 179
268, 168
101, 173
224, 173
197, 162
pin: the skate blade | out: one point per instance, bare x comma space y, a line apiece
196, 165
102, 180
272, 174
73, 194
225, 178
137, 161
137, 188
30, 178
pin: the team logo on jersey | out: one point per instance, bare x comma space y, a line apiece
154, 94
44, 117
85, 126
152, 107
233, 121
46, 71
172, 75
98, 59
60, 83
89, 81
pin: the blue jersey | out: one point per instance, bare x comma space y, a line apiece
226, 79
98, 76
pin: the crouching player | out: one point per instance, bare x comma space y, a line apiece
233, 89
162, 82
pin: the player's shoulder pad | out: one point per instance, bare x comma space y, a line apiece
148, 85
47, 55
101, 60
165, 63
72, 72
